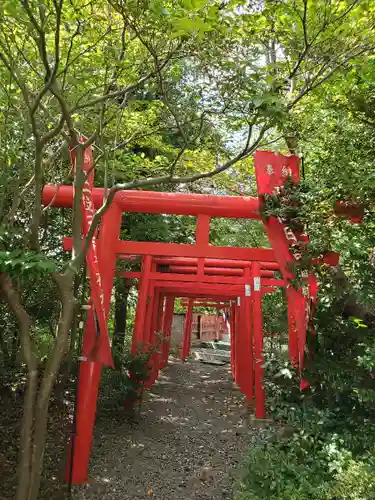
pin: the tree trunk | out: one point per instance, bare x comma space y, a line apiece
15, 347
121, 306
4, 345
38, 183
65, 285
14, 302
347, 302
35, 417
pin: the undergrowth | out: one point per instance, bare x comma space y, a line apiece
330, 454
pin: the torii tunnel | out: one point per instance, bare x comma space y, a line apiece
239, 276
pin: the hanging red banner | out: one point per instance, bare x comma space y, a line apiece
96, 346
272, 170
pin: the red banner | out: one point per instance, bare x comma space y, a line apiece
272, 170
96, 342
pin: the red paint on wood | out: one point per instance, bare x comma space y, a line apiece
89, 375
183, 250
160, 202
141, 304
260, 408
202, 237
187, 332
225, 263
353, 211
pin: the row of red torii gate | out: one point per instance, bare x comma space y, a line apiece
236, 278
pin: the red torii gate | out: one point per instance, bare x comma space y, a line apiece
219, 272
220, 306
247, 310
271, 172
157, 279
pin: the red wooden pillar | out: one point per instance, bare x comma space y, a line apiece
155, 340
247, 344
202, 235
187, 331
150, 304
260, 409
292, 331
147, 331
167, 330
232, 313
89, 372
237, 340
141, 305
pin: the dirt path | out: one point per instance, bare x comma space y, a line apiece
186, 445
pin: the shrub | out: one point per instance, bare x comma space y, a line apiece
123, 384
331, 454
306, 467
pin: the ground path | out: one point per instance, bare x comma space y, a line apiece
187, 443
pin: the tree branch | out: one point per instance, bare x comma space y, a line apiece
123, 92
15, 305
54, 131
77, 261
41, 40
329, 74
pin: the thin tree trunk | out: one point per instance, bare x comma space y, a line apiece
14, 348
4, 345
38, 182
121, 307
68, 301
14, 302
68, 362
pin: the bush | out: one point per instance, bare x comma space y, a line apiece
122, 385
306, 467
331, 454
356, 481
284, 470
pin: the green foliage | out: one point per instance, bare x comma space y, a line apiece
306, 467
158, 227
329, 452
123, 385
367, 359
178, 88
18, 262
286, 205
237, 233
274, 309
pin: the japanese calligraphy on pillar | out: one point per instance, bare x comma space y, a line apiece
272, 170
100, 347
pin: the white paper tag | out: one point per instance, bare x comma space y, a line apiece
247, 290
238, 301
257, 284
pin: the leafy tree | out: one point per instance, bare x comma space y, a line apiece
198, 86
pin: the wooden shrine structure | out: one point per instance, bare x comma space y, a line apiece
234, 277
